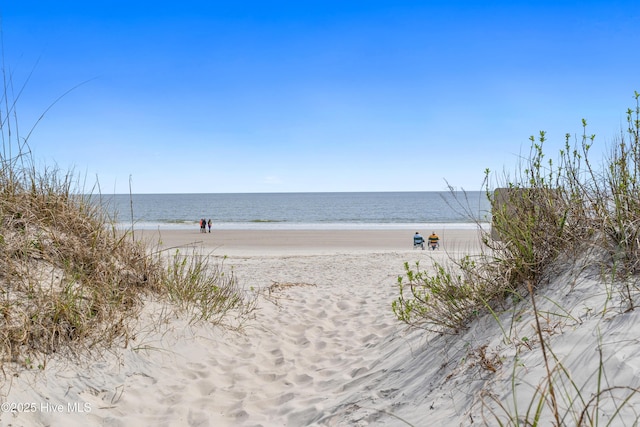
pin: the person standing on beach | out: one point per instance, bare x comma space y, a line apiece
209, 224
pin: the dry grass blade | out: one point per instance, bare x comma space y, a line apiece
548, 219
70, 281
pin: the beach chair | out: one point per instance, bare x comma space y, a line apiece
418, 241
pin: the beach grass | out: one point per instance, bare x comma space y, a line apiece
556, 216
70, 281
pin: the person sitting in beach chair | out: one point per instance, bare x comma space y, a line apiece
434, 241
418, 240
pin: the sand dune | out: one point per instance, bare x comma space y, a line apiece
324, 348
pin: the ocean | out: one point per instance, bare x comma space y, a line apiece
365, 210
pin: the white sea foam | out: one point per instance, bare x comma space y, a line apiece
305, 226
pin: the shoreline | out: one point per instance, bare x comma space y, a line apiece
300, 226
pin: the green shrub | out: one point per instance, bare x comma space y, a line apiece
551, 214
551, 210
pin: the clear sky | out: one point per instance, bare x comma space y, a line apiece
330, 95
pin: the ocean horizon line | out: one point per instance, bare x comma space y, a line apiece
190, 193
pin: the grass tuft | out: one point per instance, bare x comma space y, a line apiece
557, 216
70, 281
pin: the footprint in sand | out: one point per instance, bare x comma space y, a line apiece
344, 305
270, 377
197, 370
285, 398
369, 340
197, 418
303, 379
320, 345
205, 388
302, 342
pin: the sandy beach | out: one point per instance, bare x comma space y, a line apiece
324, 347
307, 242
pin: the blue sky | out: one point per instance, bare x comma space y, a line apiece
282, 96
